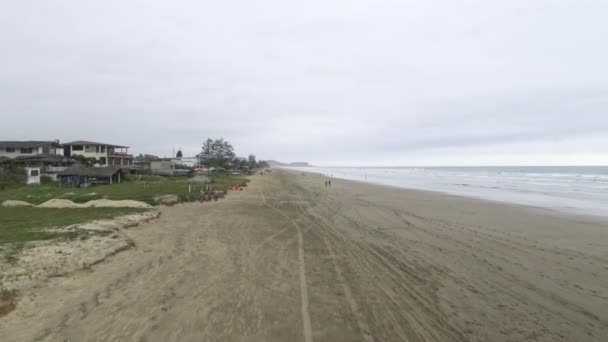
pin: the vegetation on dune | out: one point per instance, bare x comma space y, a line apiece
21, 225
145, 190
11, 173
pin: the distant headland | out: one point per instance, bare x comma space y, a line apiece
299, 164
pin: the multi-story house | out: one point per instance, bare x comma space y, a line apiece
40, 158
14, 149
105, 154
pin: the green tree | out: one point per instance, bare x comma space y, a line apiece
141, 158
251, 162
216, 153
86, 161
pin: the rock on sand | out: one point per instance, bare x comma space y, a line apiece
102, 203
167, 199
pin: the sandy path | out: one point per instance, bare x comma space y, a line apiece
289, 260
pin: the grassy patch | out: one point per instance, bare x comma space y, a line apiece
141, 190
21, 225
222, 182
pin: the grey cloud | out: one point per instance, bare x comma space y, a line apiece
350, 81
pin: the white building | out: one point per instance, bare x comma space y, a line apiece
105, 154
33, 175
186, 161
14, 149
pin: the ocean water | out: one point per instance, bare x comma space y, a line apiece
575, 189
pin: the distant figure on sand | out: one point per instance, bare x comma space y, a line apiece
329, 183
326, 184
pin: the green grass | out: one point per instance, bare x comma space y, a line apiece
21, 225
144, 191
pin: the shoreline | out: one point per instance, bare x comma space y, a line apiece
564, 213
288, 259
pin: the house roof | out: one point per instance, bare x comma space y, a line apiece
28, 143
97, 172
84, 142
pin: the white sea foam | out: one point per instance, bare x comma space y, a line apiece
582, 190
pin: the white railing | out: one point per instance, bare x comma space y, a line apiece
55, 168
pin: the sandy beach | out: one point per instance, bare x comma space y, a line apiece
289, 259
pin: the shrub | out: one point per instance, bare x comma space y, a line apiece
46, 180
12, 176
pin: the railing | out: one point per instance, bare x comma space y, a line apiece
55, 168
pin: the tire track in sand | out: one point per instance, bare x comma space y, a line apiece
350, 299
306, 325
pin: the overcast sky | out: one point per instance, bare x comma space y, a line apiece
467, 82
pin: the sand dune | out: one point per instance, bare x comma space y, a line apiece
290, 260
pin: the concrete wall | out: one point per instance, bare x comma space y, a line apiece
188, 161
33, 175
161, 167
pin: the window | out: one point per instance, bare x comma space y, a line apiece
34, 173
102, 161
77, 148
10, 149
26, 150
103, 149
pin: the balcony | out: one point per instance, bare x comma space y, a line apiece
119, 155
50, 168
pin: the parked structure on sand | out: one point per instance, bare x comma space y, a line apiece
105, 154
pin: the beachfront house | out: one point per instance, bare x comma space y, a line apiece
44, 165
104, 154
14, 149
40, 158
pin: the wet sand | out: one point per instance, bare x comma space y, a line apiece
291, 260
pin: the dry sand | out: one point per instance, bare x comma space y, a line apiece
289, 260
13, 204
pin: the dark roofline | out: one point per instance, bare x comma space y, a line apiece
27, 143
98, 172
84, 142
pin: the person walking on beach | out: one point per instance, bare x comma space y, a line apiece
329, 183
326, 184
